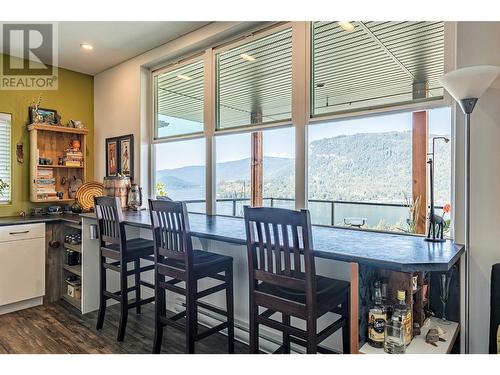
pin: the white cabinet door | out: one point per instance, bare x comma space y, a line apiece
22, 270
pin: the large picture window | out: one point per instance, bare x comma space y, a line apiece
5, 158
180, 172
360, 170
234, 170
254, 82
365, 171
363, 65
179, 100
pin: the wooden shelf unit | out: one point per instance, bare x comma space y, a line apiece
51, 141
71, 228
77, 270
77, 248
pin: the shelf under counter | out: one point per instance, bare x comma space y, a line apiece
418, 344
77, 248
72, 301
77, 270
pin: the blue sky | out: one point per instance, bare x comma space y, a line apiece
280, 142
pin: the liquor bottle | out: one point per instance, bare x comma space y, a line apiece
402, 310
385, 299
394, 341
377, 316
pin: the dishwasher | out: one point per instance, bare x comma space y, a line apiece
22, 266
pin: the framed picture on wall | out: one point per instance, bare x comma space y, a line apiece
43, 115
127, 156
112, 155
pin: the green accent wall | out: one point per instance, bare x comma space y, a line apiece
74, 99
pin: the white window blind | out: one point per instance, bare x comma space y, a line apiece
5, 158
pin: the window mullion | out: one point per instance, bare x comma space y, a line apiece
300, 106
209, 131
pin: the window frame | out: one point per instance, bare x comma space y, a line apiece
252, 37
432, 105
414, 105
154, 75
153, 157
8, 118
301, 104
249, 131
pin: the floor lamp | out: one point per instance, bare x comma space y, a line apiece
466, 85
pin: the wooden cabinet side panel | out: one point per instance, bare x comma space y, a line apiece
54, 262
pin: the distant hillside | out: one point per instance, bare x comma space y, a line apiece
359, 167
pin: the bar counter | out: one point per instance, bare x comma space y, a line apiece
398, 252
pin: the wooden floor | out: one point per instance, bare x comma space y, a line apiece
58, 329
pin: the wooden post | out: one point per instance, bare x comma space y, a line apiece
257, 170
420, 126
354, 308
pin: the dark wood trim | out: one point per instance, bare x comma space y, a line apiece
420, 132
354, 308
256, 169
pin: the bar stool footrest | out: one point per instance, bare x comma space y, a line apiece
211, 331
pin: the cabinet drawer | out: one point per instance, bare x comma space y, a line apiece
22, 232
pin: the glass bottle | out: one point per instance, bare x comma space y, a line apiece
385, 299
394, 341
377, 317
403, 312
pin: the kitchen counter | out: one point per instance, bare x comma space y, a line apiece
393, 251
15, 220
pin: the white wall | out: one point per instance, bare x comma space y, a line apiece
479, 43
122, 94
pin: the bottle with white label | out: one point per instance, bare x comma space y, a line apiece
403, 311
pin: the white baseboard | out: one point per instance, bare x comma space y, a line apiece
21, 305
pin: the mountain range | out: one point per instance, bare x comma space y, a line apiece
358, 167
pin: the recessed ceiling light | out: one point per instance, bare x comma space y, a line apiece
184, 77
247, 57
87, 46
346, 25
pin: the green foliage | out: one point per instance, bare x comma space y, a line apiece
160, 190
3, 186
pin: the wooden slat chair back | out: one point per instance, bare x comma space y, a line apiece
110, 220
279, 244
172, 236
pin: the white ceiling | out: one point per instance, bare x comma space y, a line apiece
114, 42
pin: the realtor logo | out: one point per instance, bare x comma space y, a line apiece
29, 56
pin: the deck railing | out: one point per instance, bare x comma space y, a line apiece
325, 212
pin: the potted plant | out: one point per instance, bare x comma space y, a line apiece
3, 186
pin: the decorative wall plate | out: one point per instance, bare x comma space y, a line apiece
86, 193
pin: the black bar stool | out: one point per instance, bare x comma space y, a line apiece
283, 280
113, 245
176, 259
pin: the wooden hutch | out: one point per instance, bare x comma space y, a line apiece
51, 142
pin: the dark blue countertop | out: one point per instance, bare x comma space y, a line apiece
17, 220
399, 252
